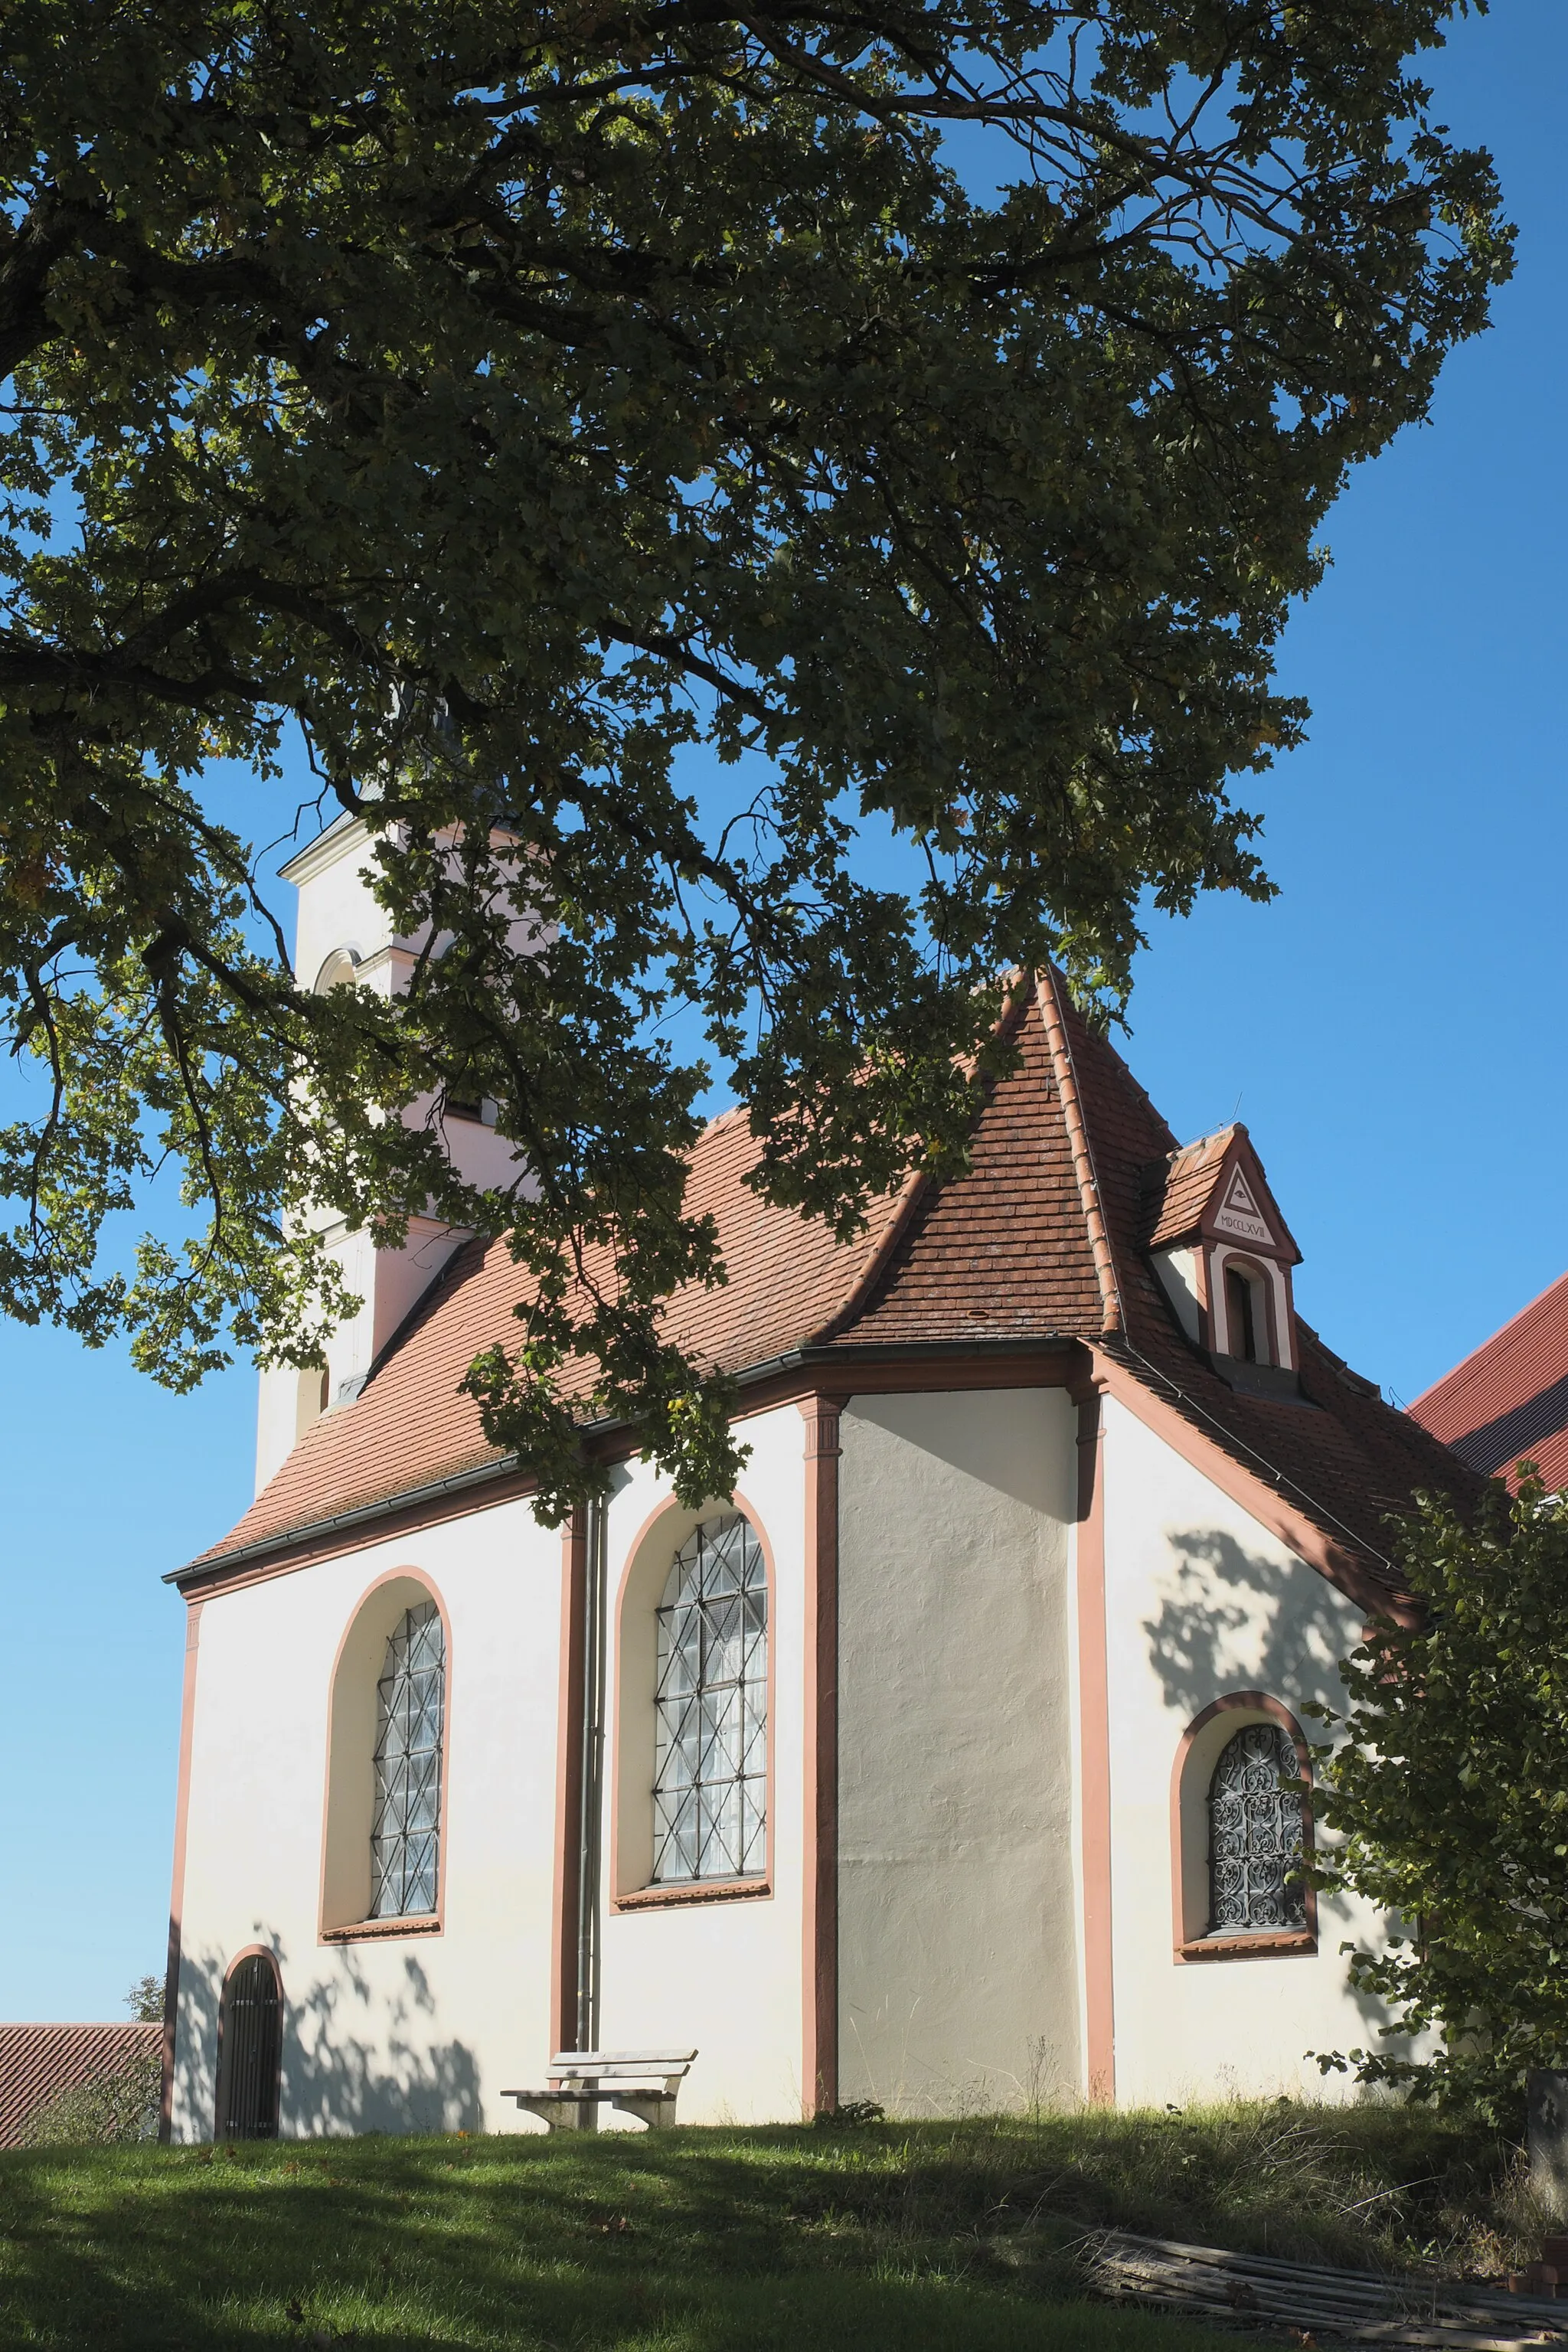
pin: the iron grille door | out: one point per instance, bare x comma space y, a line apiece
252, 2051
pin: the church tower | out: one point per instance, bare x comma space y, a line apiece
344, 933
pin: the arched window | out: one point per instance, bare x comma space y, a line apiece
1255, 1833
1241, 1306
250, 2050
710, 1789
339, 968
405, 1827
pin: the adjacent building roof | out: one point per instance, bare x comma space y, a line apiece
1509, 1401
1043, 1240
38, 2061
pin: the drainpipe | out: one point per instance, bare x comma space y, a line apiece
591, 1826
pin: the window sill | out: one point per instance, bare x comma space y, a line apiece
1267, 1943
701, 1890
371, 1931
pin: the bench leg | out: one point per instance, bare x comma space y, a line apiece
657, 2108
564, 2113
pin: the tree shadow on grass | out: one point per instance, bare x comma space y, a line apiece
684, 2243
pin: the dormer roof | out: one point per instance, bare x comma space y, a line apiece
1215, 1188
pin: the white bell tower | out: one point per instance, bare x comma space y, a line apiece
343, 932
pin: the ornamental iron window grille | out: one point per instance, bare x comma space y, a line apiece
407, 1825
250, 2051
1255, 1833
709, 1786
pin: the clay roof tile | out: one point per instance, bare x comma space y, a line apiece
1050, 1223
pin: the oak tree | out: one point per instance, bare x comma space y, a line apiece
913, 416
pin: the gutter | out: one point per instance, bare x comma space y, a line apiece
509, 1465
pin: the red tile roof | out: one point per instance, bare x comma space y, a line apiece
1190, 1178
1044, 1238
38, 2061
1510, 1399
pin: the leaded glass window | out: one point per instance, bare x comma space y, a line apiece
1255, 1833
407, 1825
710, 1788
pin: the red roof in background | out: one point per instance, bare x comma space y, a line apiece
38, 2061
1510, 1399
1006, 1252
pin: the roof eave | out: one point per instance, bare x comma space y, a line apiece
214, 1565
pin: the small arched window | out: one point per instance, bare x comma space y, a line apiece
1247, 1315
1255, 1833
405, 1828
710, 1790
250, 2050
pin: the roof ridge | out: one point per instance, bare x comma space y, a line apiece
1046, 995
1210, 1135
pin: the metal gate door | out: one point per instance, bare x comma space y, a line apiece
250, 2058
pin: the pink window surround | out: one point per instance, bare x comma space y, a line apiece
1266, 1943
682, 1895
431, 1923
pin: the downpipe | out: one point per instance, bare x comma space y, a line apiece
590, 1850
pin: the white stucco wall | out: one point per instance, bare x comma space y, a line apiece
1202, 1600
958, 1968
411, 2033
725, 1977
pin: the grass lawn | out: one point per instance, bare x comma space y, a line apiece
887, 2238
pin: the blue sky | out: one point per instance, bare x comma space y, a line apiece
1392, 1030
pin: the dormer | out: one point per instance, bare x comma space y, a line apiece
1224, 1254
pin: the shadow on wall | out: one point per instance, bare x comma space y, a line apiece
1235, 1619
355, 2056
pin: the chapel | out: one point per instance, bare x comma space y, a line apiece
956, 1762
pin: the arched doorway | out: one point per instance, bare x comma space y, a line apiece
250, 2050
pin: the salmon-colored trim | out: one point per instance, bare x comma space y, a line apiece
371, 1931
355, 1930
704, 1890
246, 1952
1266, 1504
1267, 1944
177, 1878
1094, 1761
1247, 1259
682, 1896
1111, 1320
819, 1886
1251, 1947
567, 1885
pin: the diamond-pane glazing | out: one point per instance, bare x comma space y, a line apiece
711, 1762
407, 1824
1255, 1833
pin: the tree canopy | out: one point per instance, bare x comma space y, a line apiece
1447, 1794
926, 409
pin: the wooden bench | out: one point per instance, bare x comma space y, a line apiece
638, 2082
